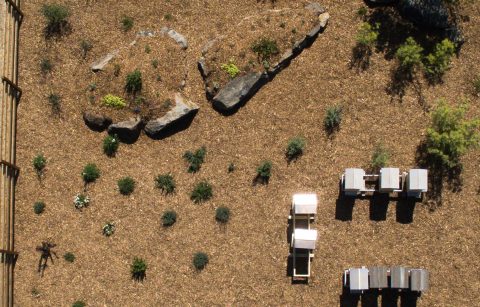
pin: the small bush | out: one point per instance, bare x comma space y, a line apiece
126, 185
55, 102
362, 11
92, 87
438, 62
148, 49
69, 257
265, 48
231, 69
138, 268
127, 23
114, 101
222, 214
201, 192
168, 17
39, 163
367, 35
155, 63
295, 148
46, 66
116, 70
409, 54
134, 82
451, 135
476, 85
166, 183
39, 207
264, 171
81, 201
231, 168
108, 229
90, 173
110, 145
56, 16
85, 46
169, 218
333, 118
195, 160
79, 304
200, 260
380, 157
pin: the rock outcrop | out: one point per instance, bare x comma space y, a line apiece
101, 63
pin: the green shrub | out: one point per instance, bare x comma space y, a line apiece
200, 260
114, 101
81, 201
362, 11
127, 23
148, 49
155, 63
56, 16
380, 157
476, 85
295, 148
39, 163
333, 118
409, 54
231, 69
69, 257
39, 207
134, 82
169, 218
437, 63
110, 145
126, 185
138, 268
85, 46
264, 171
46, 66
201, 192
367, 35
231, 167
168, 17
92, 87
79, 304
450, 134
222, 214
90, 173
166, 183
55, 103
108, 229
195, 160
265, 48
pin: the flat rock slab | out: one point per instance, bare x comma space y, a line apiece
238, 90
179, 38
101, 63
228, 95
181, 110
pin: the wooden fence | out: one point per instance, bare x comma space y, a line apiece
10, 19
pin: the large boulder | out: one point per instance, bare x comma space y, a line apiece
425, 13
128, 131
102, 62
238, 91
182, 110
95, 121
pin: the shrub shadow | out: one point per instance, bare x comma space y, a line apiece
360, 58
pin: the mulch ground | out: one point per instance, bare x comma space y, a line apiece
248, 257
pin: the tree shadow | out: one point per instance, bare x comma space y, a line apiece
379, 206
46, 253
437, 175
360, 58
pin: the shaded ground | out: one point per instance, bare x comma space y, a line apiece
248, 258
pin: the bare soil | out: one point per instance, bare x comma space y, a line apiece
248, 257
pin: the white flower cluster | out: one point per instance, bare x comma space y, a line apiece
80, 201
108, 229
